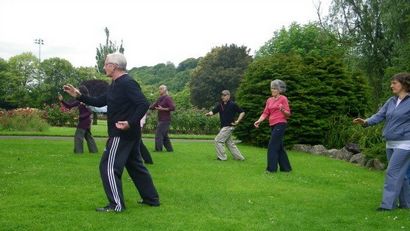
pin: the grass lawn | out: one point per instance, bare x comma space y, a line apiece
99, 130
43, 186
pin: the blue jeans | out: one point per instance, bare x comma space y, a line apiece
276, 150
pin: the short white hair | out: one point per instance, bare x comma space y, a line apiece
118, 59
165, 88
278, 84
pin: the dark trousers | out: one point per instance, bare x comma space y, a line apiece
80, 135
276, 150
161, 136
122, 153
146, 156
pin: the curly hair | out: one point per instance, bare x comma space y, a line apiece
278, 84
404, 79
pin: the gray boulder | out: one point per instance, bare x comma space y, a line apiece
318, 149
343, 154
358, 159
353, 148
302, 147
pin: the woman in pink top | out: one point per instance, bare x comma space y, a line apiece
277, 110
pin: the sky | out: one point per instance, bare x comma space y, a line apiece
152, 31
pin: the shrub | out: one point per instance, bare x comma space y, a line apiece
343, 131
187, 121
58, 115
23, 119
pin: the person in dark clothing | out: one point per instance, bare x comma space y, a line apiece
146, 156
83, 130
227, 110
164, 105
126, 105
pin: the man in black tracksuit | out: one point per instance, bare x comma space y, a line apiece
126, 105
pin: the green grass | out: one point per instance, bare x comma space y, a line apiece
43, 186
99, 130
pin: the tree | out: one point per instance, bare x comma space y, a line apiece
319, 86
108, 48
57, 72
376, 31
220, 69
9, 84
26, 76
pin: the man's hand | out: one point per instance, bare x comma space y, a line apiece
160, 108
209, 113
71, 90
122, 125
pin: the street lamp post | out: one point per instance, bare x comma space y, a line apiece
40, 42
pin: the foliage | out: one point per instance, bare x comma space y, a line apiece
23, 119
378, 34
319, 86
165, 73
22, 77
103, 50
343, 131
9, 85
302, 40
186, 121
221, 69
58, 115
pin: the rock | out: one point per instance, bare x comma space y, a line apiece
358, 159
302, 147
378, 165
343, 154
332, 153
318, 149
353, 148
369, 163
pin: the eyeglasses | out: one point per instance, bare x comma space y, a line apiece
105, 64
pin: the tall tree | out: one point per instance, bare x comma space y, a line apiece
220, 69
108, 48
376, 29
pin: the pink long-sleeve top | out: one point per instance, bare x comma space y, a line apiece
272, 111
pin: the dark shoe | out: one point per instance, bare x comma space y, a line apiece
107, 209
146, 203
380, 209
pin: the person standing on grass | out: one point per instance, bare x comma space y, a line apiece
146, 156
396, 114
227, 110
83, 130
277, 110
164, 105
126, 105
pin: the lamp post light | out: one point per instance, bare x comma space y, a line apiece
40, 42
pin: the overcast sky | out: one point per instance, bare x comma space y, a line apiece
153, 31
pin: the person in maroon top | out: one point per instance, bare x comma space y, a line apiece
164, 105
84, 124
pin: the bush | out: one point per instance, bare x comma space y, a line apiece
343, 131
57, 115
23, 119
187, 121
